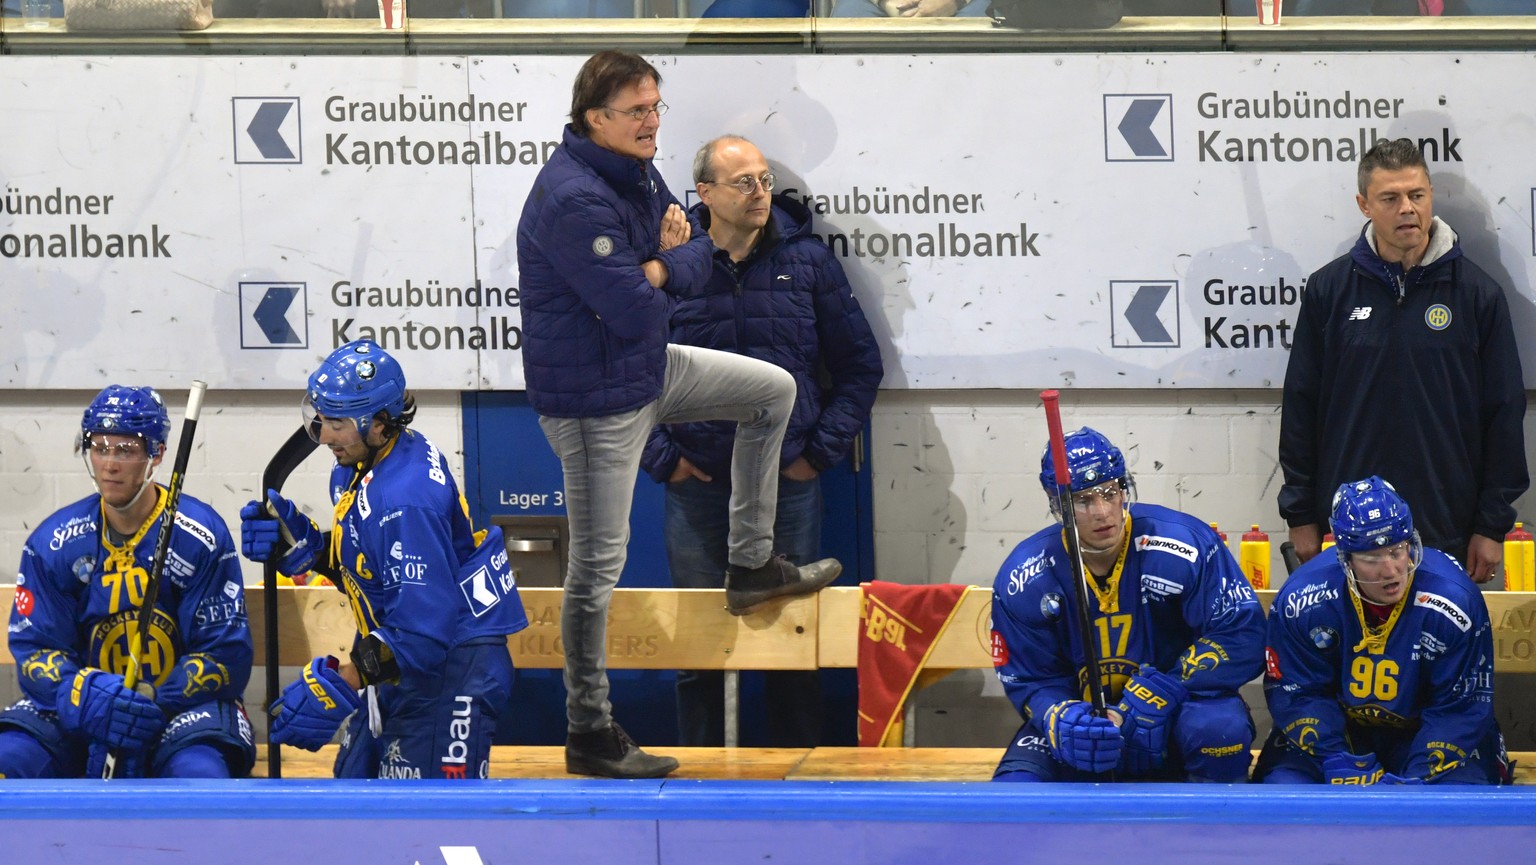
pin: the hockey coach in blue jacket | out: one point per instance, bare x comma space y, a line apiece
603, 251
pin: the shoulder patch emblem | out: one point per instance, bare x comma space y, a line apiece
602, 246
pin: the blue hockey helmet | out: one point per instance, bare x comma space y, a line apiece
1091, 460
1368, 515
356, 381
129, 411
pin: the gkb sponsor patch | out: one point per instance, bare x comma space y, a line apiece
1160, 586
1167, 545
1443, 606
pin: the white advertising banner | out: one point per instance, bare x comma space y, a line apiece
1007, 221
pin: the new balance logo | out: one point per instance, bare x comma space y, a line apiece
1360, 313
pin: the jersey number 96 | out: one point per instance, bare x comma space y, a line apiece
1373, 679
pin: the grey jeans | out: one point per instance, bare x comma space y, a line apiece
600, 457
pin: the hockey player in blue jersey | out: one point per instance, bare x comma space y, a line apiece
1379, 668
434, 600
78, 594
1178, 630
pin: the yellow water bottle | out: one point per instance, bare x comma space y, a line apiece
1253, 557
1220, 534
1519, 560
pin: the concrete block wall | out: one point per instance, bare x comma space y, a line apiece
957, 472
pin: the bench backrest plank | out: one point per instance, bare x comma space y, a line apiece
648, 629
966, 644
689, 629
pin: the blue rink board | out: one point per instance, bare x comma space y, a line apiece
729, 822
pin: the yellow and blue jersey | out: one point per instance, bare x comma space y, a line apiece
78, 596
1422, 677
404, 548
1175, 600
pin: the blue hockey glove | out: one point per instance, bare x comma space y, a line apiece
1392, 780
96, 703
276, 526
1081, 739
313, 706
1148, 705
1352, 769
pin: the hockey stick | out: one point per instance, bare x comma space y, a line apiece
288, 457
138, 641
1289, 556
1051, 400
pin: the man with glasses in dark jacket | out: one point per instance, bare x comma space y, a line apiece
603, 250
777, 293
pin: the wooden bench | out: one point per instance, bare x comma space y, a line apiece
648, 629
690, 629
665, 629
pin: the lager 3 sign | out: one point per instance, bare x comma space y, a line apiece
1007, 221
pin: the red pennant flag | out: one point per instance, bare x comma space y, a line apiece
898, 626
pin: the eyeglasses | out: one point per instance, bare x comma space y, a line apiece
749, 184
639, 114
121, 452
1108, 494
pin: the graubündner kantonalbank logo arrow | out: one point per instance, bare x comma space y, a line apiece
267, 130
1138, 127
272, 315
1144, 313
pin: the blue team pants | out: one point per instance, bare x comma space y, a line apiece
697, 523
435, 724
1210, 742
1281, 762
600, 457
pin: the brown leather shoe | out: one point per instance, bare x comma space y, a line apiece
747, 589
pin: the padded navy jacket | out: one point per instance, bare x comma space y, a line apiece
594, 330
790, 304
1411, 376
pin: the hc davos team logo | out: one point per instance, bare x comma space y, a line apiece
1144, 313
1438, 317
1138, 127
272, 315
266, 130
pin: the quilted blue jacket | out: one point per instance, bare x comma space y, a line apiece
790, 304
594, 330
